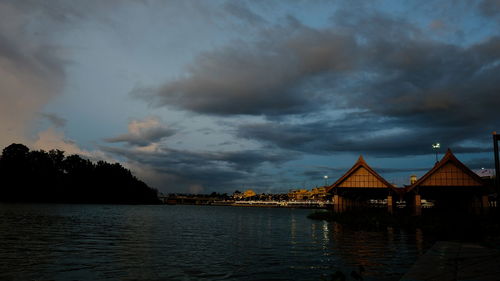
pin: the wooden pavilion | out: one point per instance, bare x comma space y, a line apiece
360, 184
450, 185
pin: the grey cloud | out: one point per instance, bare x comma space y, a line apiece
249, 160
432, 81
241, 11
369, 135
54, 119
144, 132
379, 64
490, 8
218, 171
63, 11
318, 173
270, 77
478, 163
186, 168
384, 67
145, 138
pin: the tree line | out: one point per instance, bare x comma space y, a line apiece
51, 177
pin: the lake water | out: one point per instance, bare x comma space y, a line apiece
110, 242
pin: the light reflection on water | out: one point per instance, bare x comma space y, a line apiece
99, 242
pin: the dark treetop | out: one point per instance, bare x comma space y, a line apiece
40, 176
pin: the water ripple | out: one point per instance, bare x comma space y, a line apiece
105, 242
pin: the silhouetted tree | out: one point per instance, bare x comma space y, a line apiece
40, 176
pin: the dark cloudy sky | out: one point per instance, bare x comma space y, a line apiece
202, 96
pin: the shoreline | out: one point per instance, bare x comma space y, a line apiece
260, 204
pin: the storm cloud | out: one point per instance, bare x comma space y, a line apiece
395, 77
277, 75
367, 135
223, 171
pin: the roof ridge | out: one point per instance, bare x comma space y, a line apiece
447, 158
361, 159
360, 163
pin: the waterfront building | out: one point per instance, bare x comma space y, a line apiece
237, 195
246, 194
485, 174
249, 193
361, 185
317, 193
450, 185
299, 194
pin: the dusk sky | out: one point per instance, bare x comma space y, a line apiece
203, 96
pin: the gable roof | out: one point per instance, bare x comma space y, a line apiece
361, 169
449, 171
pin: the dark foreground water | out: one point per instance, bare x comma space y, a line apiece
108, 242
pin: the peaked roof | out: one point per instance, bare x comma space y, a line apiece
449, 157
361, 163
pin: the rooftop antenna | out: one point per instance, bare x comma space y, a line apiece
436, 146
